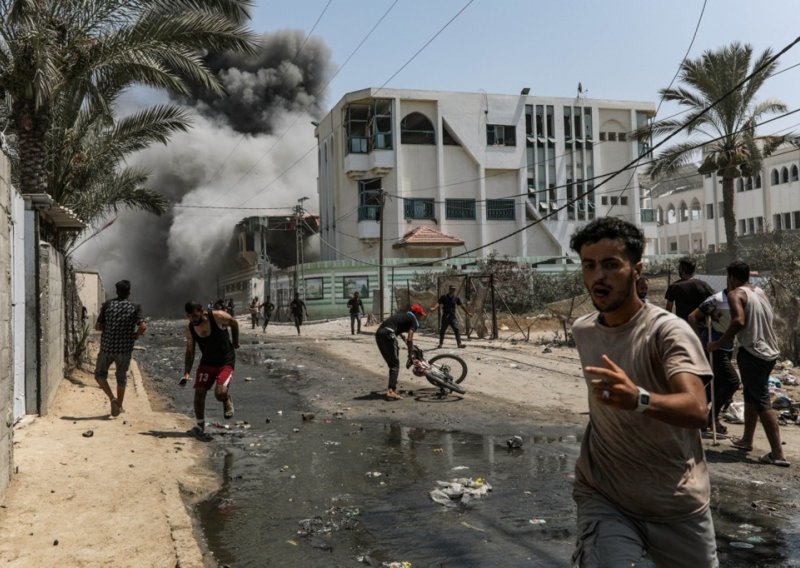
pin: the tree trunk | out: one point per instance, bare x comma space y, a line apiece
32, 126
729, 217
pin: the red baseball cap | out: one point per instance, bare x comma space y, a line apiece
419, 310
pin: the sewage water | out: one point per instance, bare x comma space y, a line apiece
333, 492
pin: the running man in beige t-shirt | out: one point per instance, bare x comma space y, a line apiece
641, 480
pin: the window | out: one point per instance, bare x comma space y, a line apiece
529, 120
604, 200
793, 174
796, 216
684, 213
447, 137
249, 242
500, 210
648, 215
773, 177
710, 211
603, 136
459, 208
776, 221
614, 200
551, 131
612, 136
739, 184
760, 224
501, 135
578, 125
622, 136
415, 128
540, 120
368, 126
587, 123
784, 175
357, 128
419, 209
742, 227
751, 225
787, 221
758, 181
623, 200
748, 184
568, 123
369, 200
673, 246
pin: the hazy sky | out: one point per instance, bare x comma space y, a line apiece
618, 49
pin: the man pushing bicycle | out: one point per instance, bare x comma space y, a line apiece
386, 338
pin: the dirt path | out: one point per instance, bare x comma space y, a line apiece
117, 498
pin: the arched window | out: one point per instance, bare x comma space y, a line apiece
793, 173
748, 184
784, 175
671, 218
415, 128
758, 181
695, 212
773, 177
739, 184
684, 212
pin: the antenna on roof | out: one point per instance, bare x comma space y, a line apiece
581, 91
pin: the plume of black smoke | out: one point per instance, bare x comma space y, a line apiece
288, 74
179, 256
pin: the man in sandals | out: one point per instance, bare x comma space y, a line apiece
208, 329
751, 321
121, 323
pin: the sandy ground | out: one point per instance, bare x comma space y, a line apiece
117, 498
123, 496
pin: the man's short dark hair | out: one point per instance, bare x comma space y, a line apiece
123, 288
687, 266
192, 307
739, 270
611, 228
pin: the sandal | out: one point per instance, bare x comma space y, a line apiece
229, 407
768, 459
740, 446
391, 394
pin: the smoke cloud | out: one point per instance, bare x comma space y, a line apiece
180, 255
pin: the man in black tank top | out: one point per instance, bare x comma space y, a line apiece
208, 329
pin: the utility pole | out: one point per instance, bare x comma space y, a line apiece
298, 231
382, 198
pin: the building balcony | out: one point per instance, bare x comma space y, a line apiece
374, 164
369, 229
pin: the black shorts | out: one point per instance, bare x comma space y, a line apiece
755, 379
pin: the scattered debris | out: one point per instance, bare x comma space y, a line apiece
537, 521
334, 519
462, 490
307, 416
515, 442
88, 434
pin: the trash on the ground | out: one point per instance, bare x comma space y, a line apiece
547, 350
438, 450
735, 413
459, 467
787, 364
738, 544
774, 381
400, 564
781, 402
248, 379
755, 539
462, 490
334, 519
504, 327
514, 366
88, 434
473, 527
280, 413
296, 430
307, 416
537, 521
374, 474
292, 542
789, 379
515, 442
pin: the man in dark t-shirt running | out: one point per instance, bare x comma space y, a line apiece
208, 329
355, 305
298, 308
268, 307
687, 293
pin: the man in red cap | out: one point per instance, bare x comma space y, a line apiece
385, 337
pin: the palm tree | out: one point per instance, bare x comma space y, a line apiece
726, 133
67, 55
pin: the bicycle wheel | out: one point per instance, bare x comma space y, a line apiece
452, 365
440, 379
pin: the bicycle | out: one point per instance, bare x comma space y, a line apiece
445, 371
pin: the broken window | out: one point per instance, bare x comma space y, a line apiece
415, 128
369, 199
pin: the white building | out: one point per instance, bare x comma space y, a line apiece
689, 213
475, 167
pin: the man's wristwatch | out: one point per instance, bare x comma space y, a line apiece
643, 402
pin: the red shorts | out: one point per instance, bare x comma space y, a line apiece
208, 375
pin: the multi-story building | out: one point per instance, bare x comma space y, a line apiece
510, 174
689, 213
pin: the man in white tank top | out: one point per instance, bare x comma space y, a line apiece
751, 323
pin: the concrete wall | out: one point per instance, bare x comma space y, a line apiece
53, 326
6, 346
